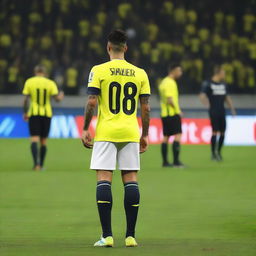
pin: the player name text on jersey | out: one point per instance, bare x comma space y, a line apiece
122, 72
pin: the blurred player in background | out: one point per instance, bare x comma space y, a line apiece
171, 115
214, 95
117, 86
39, 90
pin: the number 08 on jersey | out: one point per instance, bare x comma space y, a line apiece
118, 85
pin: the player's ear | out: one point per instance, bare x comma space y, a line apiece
108, 47
125, 48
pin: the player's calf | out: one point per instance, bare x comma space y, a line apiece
104, 202
131, 204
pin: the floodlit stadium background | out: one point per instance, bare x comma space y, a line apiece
69, 37
206, 209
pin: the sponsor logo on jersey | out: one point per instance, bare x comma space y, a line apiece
90, 77
218, 89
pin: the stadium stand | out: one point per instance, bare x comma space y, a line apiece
67, 36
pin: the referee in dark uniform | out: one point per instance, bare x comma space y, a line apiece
214, 95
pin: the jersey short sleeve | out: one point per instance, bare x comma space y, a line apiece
54, 89
145, 86
205, 87
26, 90
94, 82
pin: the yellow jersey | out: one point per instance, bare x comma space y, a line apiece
118, 85
168, 88
40, 90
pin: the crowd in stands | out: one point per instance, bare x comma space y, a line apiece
69, 37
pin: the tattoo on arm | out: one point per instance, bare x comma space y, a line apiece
144, 100
145, 116
89, 110
145, 123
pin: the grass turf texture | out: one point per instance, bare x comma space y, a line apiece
207, 209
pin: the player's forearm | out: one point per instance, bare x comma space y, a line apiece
25, 105
204, 99
89, 111
176, 108
170, 102
229, 102
230, 105
145, 115
88, 116
59, 97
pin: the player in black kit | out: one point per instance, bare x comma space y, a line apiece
214, 95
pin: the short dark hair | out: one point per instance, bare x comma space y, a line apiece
173, 65
118, 39
40, 69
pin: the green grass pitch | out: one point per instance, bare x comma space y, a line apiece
207, 209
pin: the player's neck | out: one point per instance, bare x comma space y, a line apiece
40, 74
171, 76
216, 79
117, 56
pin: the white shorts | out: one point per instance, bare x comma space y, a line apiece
106, 155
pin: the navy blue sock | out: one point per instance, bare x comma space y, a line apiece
34, 152
104, 202
164, 151
131, 205
213, 144
220, 144
43, 150
176, 152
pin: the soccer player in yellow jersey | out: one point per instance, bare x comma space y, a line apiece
117, 86
39, 91
171, 115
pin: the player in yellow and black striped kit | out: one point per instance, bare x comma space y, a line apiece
39, 90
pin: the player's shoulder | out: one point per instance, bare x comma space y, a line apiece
164, 80
206, 83
50, 81
167, 81
123, 66
101, 66
30, 80
124, 63
37, 78
137, 69
47, 79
